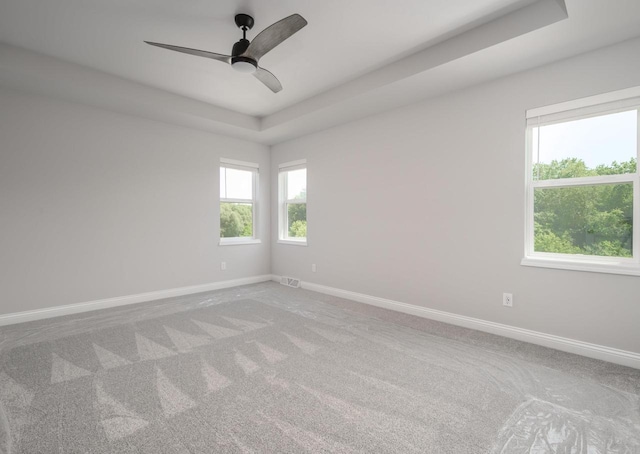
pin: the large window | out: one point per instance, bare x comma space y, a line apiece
583, 185
292, 198
238, 202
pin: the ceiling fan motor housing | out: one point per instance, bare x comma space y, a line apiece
239, 63
240, 47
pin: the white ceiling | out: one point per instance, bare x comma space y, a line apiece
344, 39
354, 58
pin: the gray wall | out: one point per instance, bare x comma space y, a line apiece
424, 205
96, 204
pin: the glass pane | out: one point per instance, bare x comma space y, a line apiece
297, 220
589, 220
236, 220
297, 184
238, 184
603, 145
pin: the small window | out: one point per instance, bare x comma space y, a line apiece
238, 202
582, 187
292, 181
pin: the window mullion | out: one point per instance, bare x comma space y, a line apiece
636, 197
285, 211
530, 219
635, 238
247, 201
585, 181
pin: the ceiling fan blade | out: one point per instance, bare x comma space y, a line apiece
273, 35
199, 53
268, 79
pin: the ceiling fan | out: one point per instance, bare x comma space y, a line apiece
245, 55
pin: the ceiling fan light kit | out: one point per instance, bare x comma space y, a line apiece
245, 54
244, 64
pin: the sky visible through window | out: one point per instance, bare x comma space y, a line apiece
236, 184
296, 183
596, 140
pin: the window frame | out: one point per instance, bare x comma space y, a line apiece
607, 103
254, 168
283, 202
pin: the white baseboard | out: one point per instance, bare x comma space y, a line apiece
38, 314
601, 352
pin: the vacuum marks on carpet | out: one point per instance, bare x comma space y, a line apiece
245, 376
141, 376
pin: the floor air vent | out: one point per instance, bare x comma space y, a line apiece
289, 281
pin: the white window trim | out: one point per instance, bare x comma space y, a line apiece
237, 241
293, 242
254, 169
282, 202
582, 108
293, 165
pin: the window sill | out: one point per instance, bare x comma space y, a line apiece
294, 242
593, 267
238, 241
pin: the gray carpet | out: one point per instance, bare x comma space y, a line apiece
267, 369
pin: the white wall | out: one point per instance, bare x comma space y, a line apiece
424, 205
96, 204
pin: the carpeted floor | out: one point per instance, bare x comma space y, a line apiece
268, 369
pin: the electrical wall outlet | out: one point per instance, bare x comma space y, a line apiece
223, 265
507, 299
313, 268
